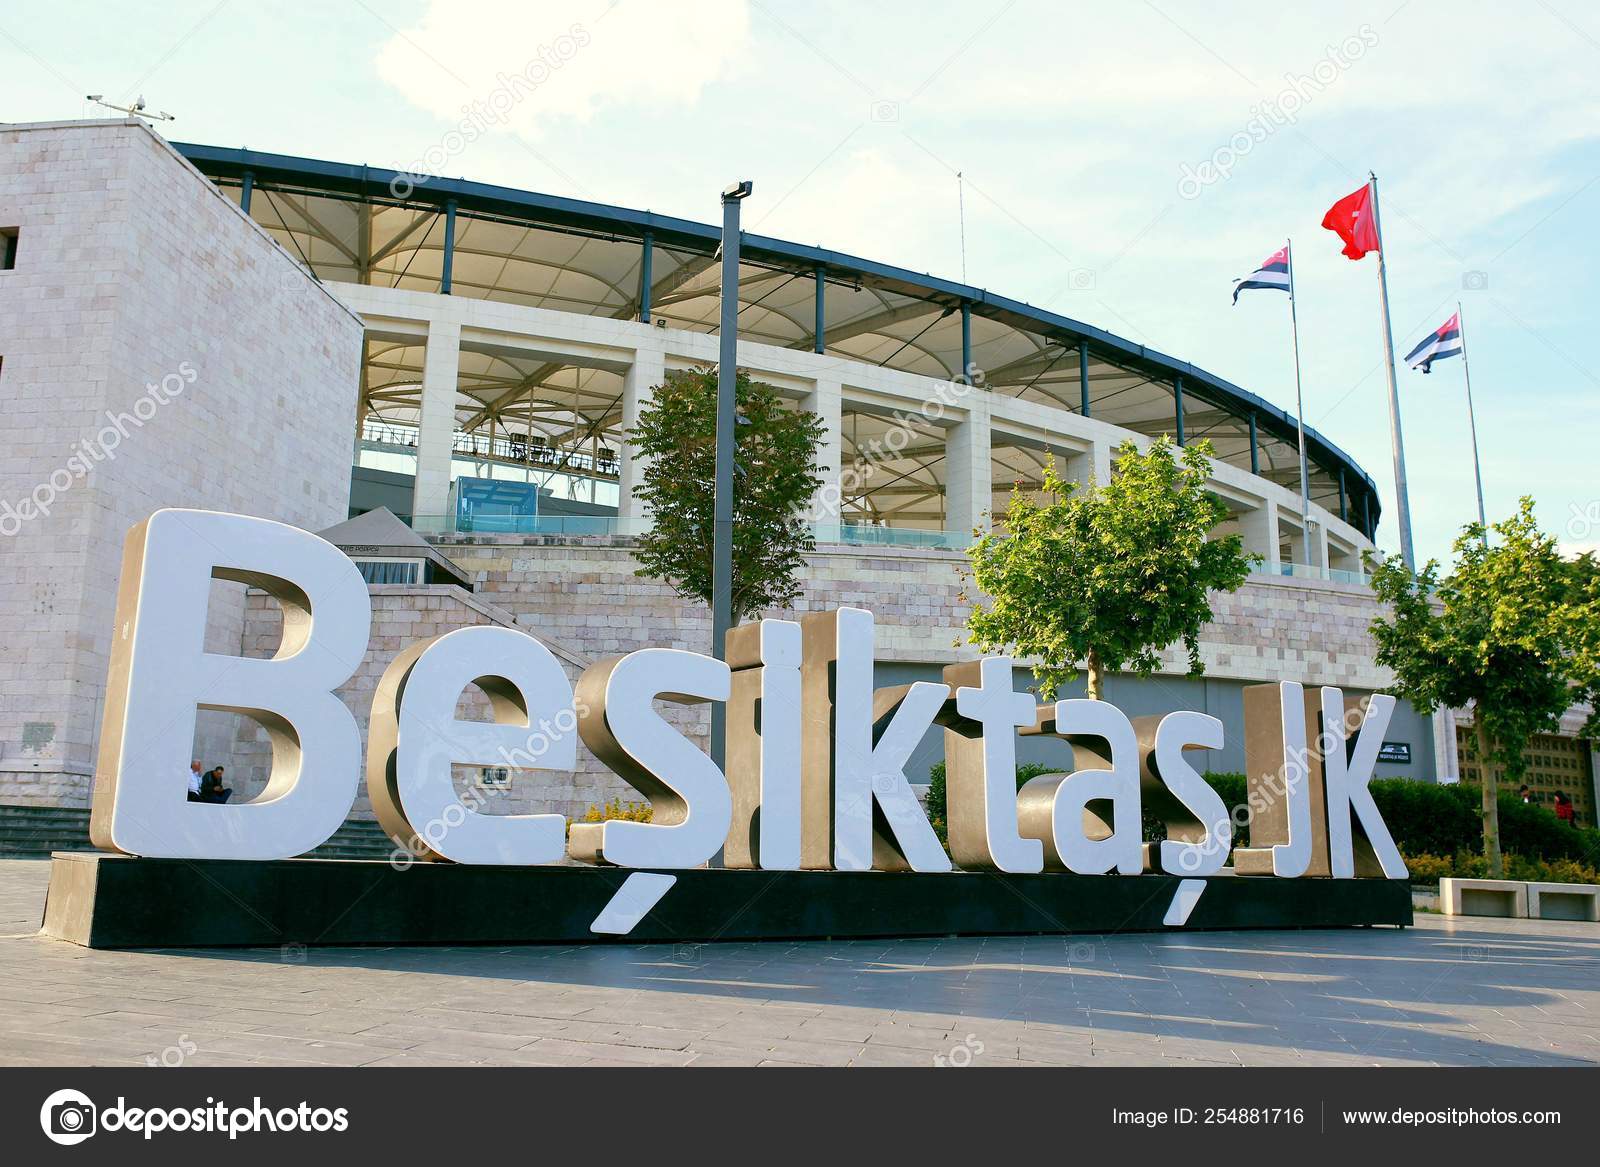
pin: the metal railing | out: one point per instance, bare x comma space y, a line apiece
515, 450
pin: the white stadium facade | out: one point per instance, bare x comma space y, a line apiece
469, 358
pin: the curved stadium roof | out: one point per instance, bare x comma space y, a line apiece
359, 224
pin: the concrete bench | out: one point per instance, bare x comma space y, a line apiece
1564, 901
1484, 897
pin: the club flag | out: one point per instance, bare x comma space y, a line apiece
1351, 220
1274, 273
1443, 342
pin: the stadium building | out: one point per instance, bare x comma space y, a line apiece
440, 376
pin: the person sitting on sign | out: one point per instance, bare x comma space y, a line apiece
211, 788
193, 778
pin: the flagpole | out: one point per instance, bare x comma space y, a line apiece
1472, 422
1299, 409
1402, 496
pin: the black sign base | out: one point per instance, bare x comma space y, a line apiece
115, 901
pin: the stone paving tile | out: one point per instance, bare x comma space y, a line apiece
616, 1054
1447, 992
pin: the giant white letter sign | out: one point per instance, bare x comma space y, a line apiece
1347, 786
1055, 808
859, 744
161, 674
691, 806
1190, 849
980, 761
764, 746
414, 739
1285, 779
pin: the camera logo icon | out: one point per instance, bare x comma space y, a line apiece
68, 1117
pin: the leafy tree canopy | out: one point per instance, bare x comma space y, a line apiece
1513, 631
1109, 574
775, 475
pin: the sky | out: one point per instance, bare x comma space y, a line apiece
1121, 164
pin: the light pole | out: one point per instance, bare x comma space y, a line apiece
722, 515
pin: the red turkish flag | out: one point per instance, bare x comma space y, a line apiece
1351, 219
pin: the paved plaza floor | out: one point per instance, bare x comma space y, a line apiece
1463, 992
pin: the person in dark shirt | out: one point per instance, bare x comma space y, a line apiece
211, 788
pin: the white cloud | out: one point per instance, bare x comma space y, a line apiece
564, 60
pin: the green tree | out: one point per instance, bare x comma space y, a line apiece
1513, 631
775, 475
1109, 574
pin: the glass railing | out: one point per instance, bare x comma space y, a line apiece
602, 526
1309, 571
572, 526
837, 534
862, 535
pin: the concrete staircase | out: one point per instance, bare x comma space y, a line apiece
355, 840
33, 832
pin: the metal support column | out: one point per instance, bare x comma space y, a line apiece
966, 343
1083, 377
818, 340
646, 275
449, 247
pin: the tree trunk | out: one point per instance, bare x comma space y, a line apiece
1491, 799
1095, 677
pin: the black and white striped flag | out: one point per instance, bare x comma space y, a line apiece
1274, 273
1445, 342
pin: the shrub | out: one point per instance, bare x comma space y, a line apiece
938, 807
1466, 864
1529, 829
615, 808
1430, 819
1429, 868
1427, 819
